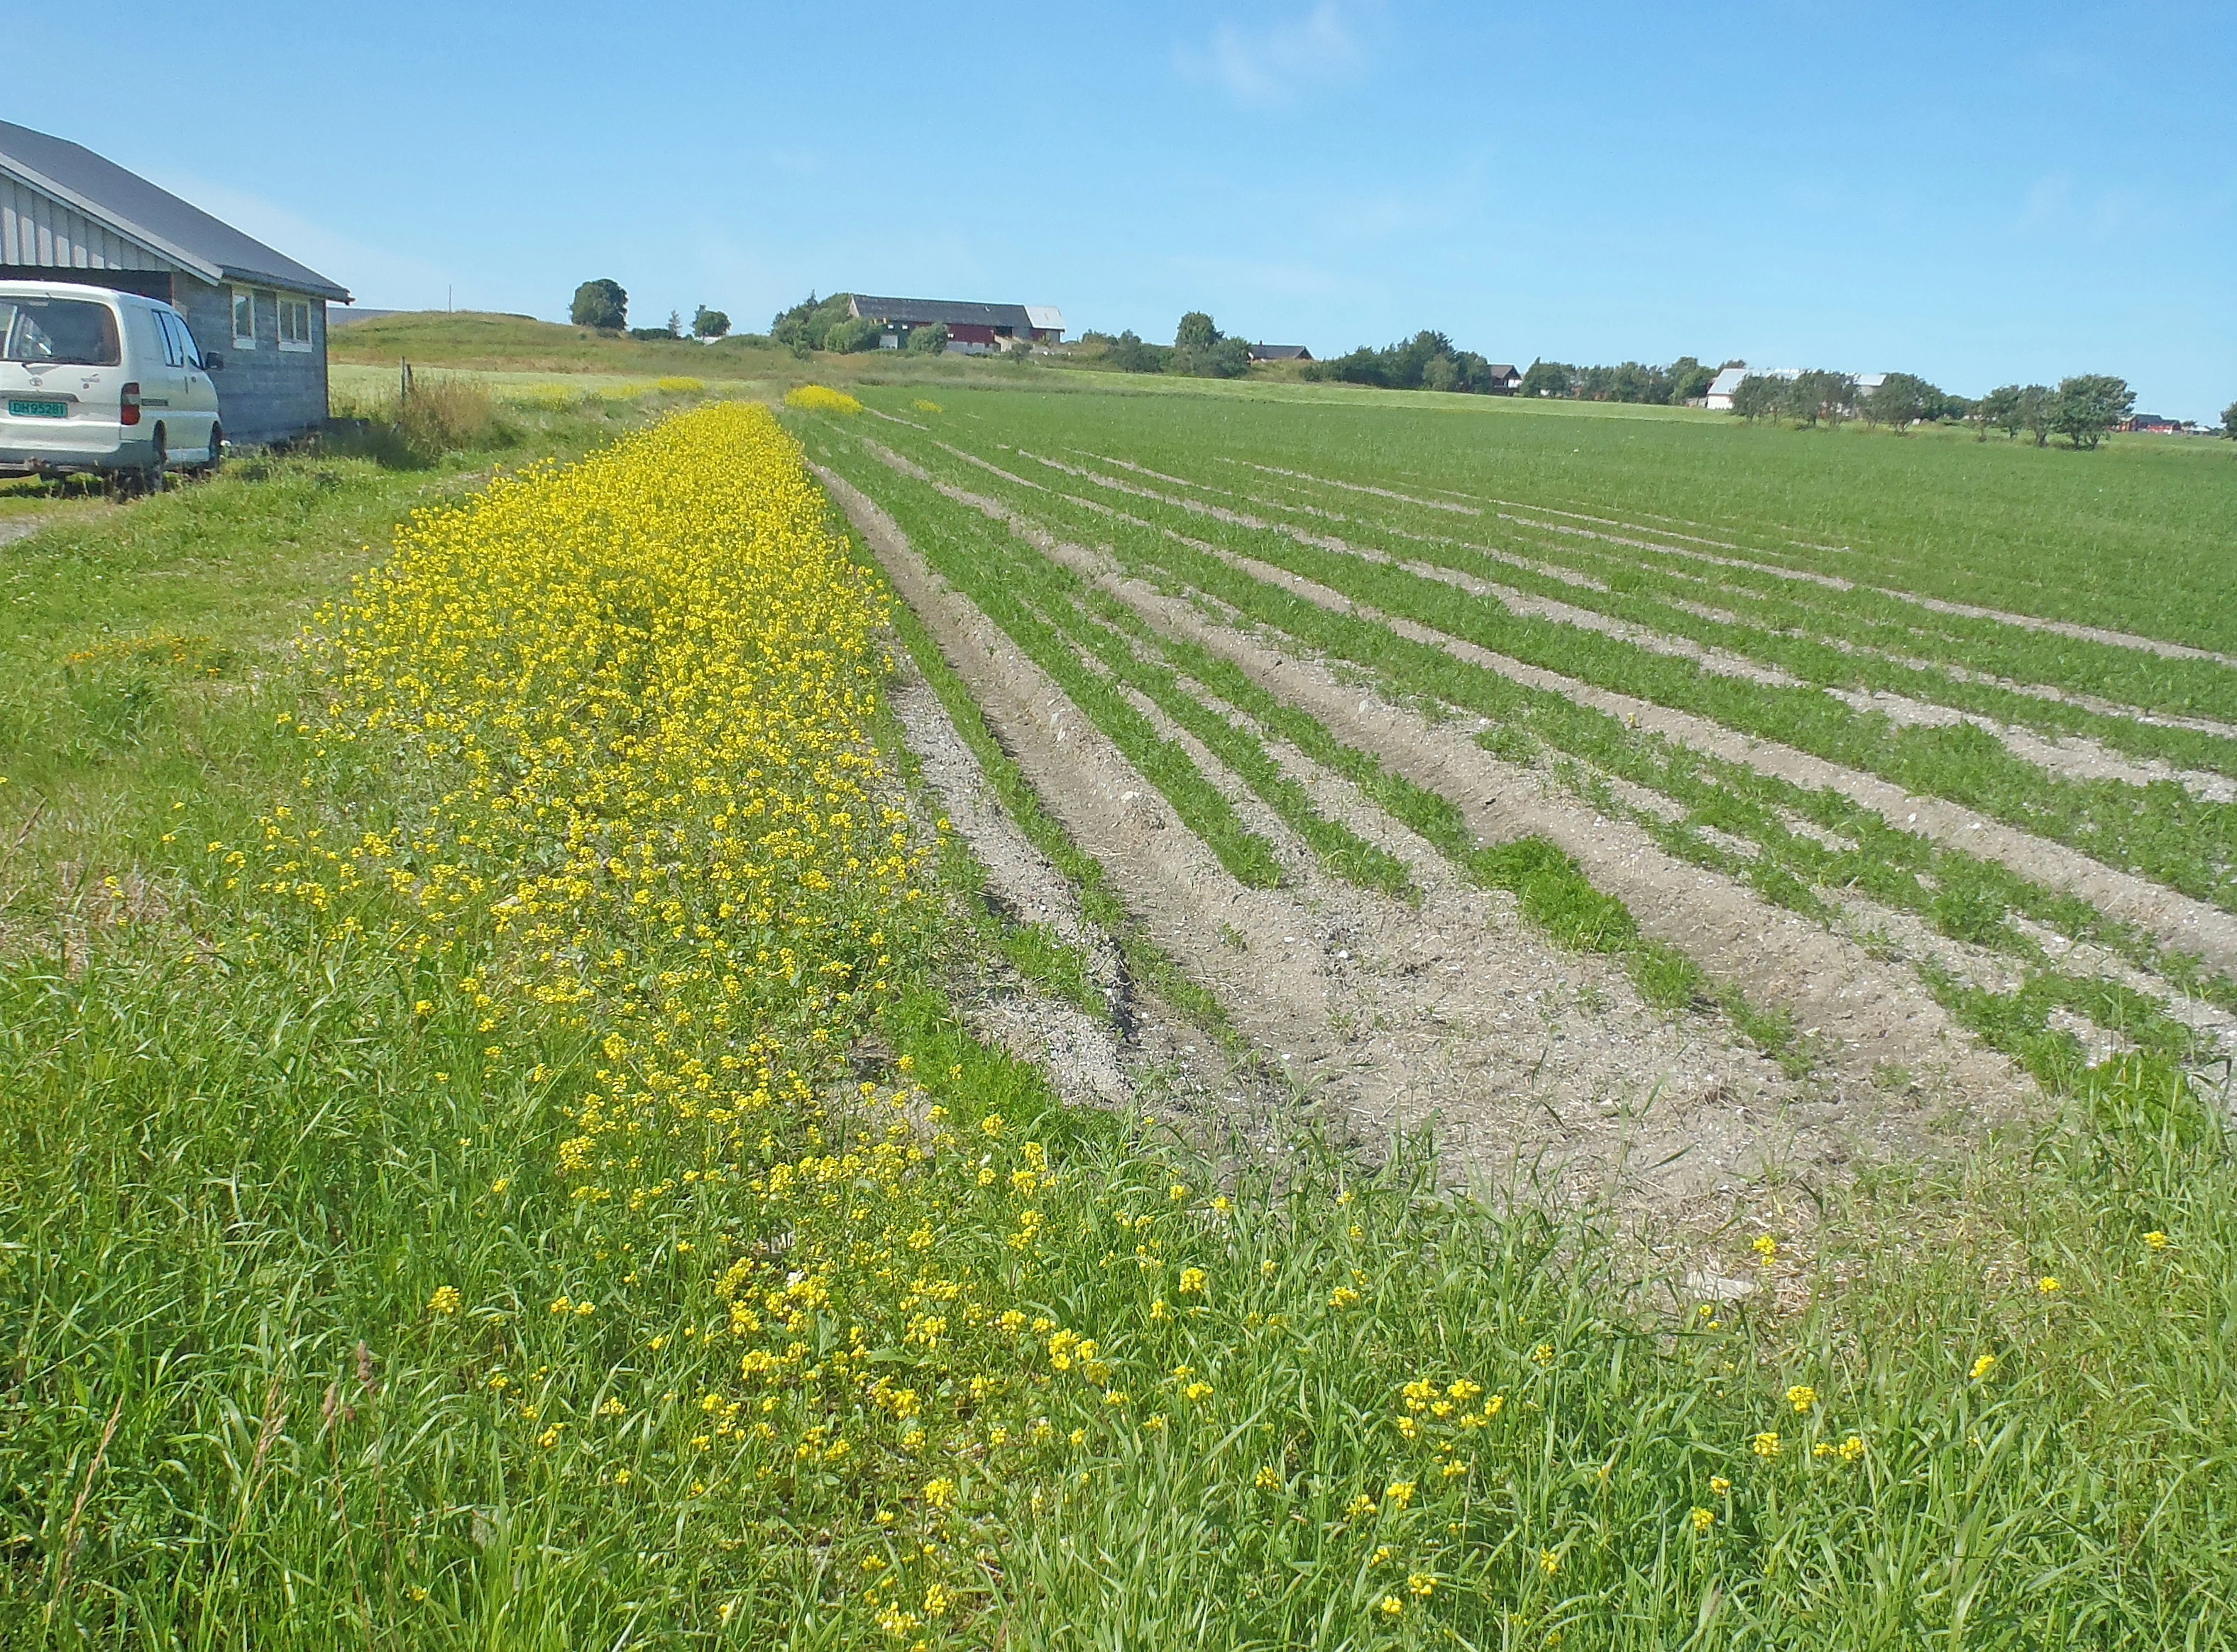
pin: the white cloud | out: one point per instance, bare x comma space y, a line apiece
1266, 67
375, 276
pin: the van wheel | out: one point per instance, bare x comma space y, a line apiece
216, 449
152, 478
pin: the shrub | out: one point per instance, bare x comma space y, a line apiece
852, 335
929, 341
803, 325
820, 398
600, 304
1129, 354
710, 324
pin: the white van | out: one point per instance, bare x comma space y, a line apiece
96, 380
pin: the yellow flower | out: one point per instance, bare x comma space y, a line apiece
444, 1302
1391, 1606
1400, 1492
1267, 1480
1802, 1397
1765, 1443
1549, 1561
941, 1493
1983, 1365
1766, 1248
1543, 1353
1851, 1449
1719, 1485
1343, 1297
2046, 1285
1703, 1519
1421, 1585
1191, 1280
2156, 1239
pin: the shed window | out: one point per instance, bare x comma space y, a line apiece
294, 324
244, 318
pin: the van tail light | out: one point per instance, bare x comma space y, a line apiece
128, 405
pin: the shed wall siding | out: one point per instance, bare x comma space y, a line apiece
36, 229
266, 394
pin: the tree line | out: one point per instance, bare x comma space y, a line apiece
1428, 361
1683, 380
1199, 350
603, 305
2082, 408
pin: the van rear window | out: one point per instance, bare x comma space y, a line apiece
77, 331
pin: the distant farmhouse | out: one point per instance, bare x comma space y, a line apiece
1280, 352
1721, 389
972, 329
66, 214
1505, 380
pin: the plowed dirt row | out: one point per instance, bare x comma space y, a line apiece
1454, 1014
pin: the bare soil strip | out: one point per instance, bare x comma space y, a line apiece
1456, 1013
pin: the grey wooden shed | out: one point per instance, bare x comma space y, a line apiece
66, 213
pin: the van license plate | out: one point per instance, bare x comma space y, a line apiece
37, 409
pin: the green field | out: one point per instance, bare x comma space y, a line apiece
1969, 1386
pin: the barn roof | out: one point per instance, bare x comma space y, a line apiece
923, 312
1727, 381
1280, 352
156, 218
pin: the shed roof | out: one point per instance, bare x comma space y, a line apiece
156, 218
1504, 370
1280, 352
1045, 318
923, 312
1727, 381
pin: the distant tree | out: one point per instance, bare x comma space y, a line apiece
2229, 421
803, 327
928, 341
1999, 411
1546, 378
2086, 405
1901, 401
1818, 396
710, 324
1129, 354
1760, 396
2037, 406
1689, 379
851, 335
1202, 350
600, 304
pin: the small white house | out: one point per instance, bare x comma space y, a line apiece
1722, 386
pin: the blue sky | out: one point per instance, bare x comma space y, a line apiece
1978, 193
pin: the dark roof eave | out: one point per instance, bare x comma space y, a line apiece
320, 289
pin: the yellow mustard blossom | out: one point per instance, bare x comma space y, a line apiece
1983, 1365
1802, 1397
1703, 1519
444, 1302
1765, 1444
